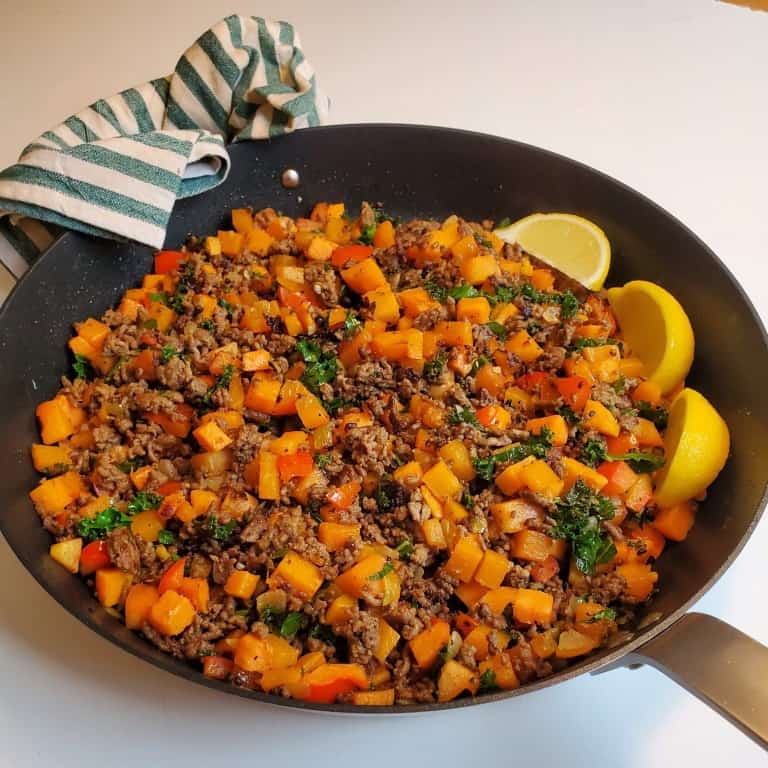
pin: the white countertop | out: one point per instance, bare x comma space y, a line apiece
668, 97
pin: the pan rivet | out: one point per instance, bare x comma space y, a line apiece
290, 178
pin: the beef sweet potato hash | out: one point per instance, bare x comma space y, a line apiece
344, 459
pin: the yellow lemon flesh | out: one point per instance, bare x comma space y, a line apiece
575, 246
657, 330
696, 445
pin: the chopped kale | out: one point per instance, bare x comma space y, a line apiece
222, 382
578, 517
382, 573
656, 414
131, 465
639, 461
352, 324
498, 330
487, 681
98, 526
536, 445
220, 531
321, 367
606, 614
142, 501
167, 352
433, 368
82, 368
292, 623
477, 364
227, 307
463, 416
366, 234
404, 549
593, 452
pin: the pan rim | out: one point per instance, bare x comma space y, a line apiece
591, 664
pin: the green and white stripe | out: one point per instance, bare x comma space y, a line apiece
116, 168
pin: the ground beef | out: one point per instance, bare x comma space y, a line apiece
175, 374
605, 588
124, 550
322, 283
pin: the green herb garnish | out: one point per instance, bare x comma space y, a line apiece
208, 325
166, 537
322, 460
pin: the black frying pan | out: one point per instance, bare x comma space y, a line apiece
435, 171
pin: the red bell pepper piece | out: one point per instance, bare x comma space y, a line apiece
167, 261
328, 681
620, 477
172, 486
575, 390
173, 577
545, 570
538, 384
94, 556
623, 443
292, 465
343, 496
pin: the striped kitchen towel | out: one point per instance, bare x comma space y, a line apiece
116, 168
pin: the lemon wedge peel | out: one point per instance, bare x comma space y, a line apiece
658, 331
570, 243
696, 444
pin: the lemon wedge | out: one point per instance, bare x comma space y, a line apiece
657, 330
575, 246
696, 445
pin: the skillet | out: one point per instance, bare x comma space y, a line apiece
414, 171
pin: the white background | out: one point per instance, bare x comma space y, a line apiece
670, 97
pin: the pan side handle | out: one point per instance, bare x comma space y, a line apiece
718, 664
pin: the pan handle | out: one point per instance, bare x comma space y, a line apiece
718, 664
